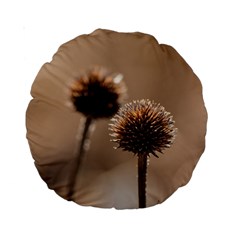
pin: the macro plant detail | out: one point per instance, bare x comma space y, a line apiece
143, 127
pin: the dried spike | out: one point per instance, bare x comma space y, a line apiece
143, 127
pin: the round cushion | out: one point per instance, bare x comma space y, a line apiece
108, 177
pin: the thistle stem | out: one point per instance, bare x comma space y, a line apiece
79, 159
142, 178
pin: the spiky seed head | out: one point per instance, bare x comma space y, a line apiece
98, 93
143, 127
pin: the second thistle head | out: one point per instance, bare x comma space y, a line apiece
98, 93
143, 127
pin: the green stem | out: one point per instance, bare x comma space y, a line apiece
80, 156
142, 179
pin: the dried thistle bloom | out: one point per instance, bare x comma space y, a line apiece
143, 127
98, 93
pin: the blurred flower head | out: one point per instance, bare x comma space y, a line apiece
98, 93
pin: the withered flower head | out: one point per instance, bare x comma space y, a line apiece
143, 127
98, 93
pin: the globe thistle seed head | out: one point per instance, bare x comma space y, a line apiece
98, 93
143, 127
